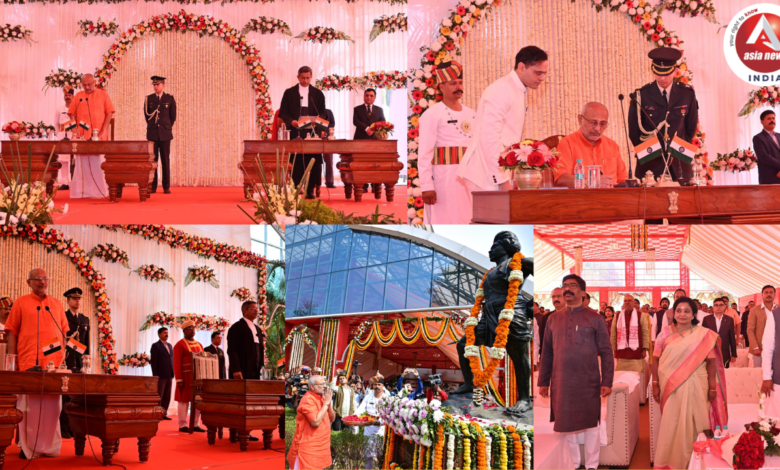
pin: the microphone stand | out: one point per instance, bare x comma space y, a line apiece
630, 182
91, 124
37, 367
63, 367
664, 144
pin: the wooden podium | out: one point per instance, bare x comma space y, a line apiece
362, 161
127, 161
242, 406
757, 204
109, 407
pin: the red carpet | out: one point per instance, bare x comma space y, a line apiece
188, 205
171, 450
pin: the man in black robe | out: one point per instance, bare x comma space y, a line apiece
245, 347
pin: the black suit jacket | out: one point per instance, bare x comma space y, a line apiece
160, 127
361, 120
728, 336
162, 360
218, 351
78, 328
242, 351
683, 117
768, 155
290, 108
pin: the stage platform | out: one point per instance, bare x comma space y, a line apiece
170, 450
199, 205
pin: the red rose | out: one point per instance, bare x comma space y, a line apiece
668, 40
449, 46
647, 25
501, 161
511, 159
417, 95
655, 37
637, 18
429, 82
461, 10
430, 56
417, 109
659, 28
413, 133
536, 159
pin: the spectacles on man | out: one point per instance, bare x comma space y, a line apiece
595, 123
572, 285
40, 279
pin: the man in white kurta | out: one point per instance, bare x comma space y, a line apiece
500, 121
61, 120
445, 134
369, 405
770, 365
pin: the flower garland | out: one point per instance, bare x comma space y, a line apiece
135, 360
202, 322
154, 273
55, 241
158, 319
326, 353
735, 162
390, 80
97, 28
242, 293
323, 35
451, 451
203, 25
466, 445
693, 8
302, 330
336, 82
62, 77
183, 2
388, 24
267, 25
111, 254
201, 274
764, 96
9, 33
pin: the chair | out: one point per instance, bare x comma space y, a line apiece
643, 376
553, 140
622, 427
205, 366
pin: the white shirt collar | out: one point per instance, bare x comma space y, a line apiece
253, 329
668, 90
517, 81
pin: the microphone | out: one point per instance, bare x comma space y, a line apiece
630, 182
65, 343
75, 113
91, 126
37, 367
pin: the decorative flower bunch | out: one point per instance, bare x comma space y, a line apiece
158, 319
55, 241
15, 127
764, 96
203, 25
766, 427
336, 82
322, 35
702, 156
528, 155
693, 8
204, 322
242, 293
267, 25
154, 273
111, 254
201, 274
749, 451
37, 131
135, 360
381, 129
362, 328
302, 330
736, 161
388, 24
97, 28
63, 77
27, 203
390, 79
10, 33
408, 417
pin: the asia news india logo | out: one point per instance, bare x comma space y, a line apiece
752, 44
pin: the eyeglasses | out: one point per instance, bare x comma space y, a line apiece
572, 285
40, 279
540, 74
594, 123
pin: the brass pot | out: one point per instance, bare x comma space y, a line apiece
382, 136
14, 137
528, 179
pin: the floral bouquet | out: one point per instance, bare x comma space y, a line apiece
135, 360
15, 127
27, 203
321, 35
395, 80
63, 77
37, 131
111, 254
739, 160
204, 322
764, 96
15, 33
704, 8
381, 129
242, 293
766, 427
158, 319
336, 82
201, 274
528, 155
97, 28
749, 451
154, 273
267, 25
388, 24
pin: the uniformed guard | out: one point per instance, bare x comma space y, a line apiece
78, 329
160, 115
666, 108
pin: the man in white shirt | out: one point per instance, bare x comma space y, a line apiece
61, 119
758, 322
770, 364
500, 122
445, 135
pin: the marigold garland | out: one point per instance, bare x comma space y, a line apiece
439, 457
503, 458
466, 445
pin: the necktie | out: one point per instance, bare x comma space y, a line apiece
665, 97
369, 109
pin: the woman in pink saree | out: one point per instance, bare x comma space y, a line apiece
689, 382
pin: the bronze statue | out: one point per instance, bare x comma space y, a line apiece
496, 288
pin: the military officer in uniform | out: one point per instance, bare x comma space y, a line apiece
667, 108
160, 115
78, 329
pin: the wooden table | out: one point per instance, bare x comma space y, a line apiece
127, 161
685, 205
362, 162
242, 406
105, 406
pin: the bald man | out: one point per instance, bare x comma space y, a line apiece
590, 145
630, 336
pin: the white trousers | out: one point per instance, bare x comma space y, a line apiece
589, 437
183, 421
63, 176
756, 362
39, 430
88, 178
772, 402
296, 467
453, 198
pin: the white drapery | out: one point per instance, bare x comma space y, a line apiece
739, 178
54, 28
547, 264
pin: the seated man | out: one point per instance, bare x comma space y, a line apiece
592, 147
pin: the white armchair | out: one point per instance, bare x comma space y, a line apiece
622, 427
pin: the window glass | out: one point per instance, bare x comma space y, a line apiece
356, 282
419, 295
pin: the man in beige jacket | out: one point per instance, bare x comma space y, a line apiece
757, 323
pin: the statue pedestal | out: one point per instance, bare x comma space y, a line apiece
463, 404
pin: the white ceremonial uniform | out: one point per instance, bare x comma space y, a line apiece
772, 402
442, 127
369, 405
60, 119
500, 122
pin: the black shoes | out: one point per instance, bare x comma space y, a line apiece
165, 418
184, 429
64, 187
253, 438
198, 429
22, 456
167, 191
67, 435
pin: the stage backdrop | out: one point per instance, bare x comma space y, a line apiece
210, 82
593, 57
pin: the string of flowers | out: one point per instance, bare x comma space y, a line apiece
111, 254
390, 80
302, 330
388, 24
267, 25
61, 78
202, 322
150, 272
183, 2
158, 319
242, 293
691, 8
201, 274
135, 360
10, 33
764, 96
97, 28
53, 240
323, 35
203, 25
735, 162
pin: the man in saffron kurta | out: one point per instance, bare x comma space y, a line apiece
182, 369
25, 335
310, 447
590, 145
630, 337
